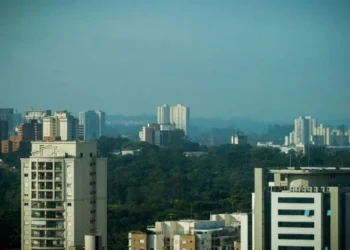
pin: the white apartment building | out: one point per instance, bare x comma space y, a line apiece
64, 195
303, 130
185, 235
93, 124
62, 124
180, 116
303, 208
163, 114
36, 115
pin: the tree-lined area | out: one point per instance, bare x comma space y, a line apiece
163, 184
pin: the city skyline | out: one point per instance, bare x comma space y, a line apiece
263, 61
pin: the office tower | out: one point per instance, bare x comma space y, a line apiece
186, 235
93, 124
7, 114
302, 208
4, 130
64, 195
31, 131
180, 116
304, 128
36, 115
163, 114
62, 124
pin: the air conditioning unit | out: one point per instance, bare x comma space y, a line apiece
316, 189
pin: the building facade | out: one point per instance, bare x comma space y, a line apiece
62, 124
37, 115
64, 195
302, 208
180, 116
185, 234
163, 114
4, 130
93, 124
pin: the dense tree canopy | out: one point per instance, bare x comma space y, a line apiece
163, 184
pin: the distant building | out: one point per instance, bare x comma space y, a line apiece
7, 114
163, 114
239, 139
4, 130
302, 208
64, 196
61, 124
185, 235
92, 124
161, 135
180, 116
37, 115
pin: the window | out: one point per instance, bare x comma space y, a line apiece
25, 204
69, 204
295, 200
329, 212
25, 175
81, 154
295, 212
90, 154
295, 224
296, 237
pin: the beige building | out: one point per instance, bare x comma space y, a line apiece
61, 124
302, 208
185, 235
242, 224
64, 195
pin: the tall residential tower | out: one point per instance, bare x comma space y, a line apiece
180, 116
64, 195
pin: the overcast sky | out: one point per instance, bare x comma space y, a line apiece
268, 60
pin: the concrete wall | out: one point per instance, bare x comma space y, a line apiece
316, 219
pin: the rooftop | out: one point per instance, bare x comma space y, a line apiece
311, 170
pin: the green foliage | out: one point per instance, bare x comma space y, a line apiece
163, 184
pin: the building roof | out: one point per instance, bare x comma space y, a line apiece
311, 170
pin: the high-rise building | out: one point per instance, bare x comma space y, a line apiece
163, 114
180, 116
4, 130
304, 128
302, 208
7, 114
93, 124
64, 195
36, 115
61, 124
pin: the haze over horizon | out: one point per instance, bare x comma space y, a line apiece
269, 61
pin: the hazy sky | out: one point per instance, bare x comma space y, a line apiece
269, 60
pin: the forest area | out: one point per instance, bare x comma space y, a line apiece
164, 184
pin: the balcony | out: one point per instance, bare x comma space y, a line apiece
45, 166
49, 215
47, 176
48, 205
42, 224
47, 234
